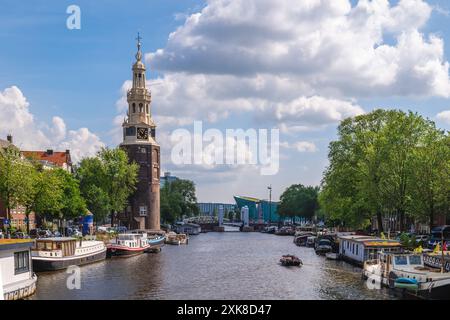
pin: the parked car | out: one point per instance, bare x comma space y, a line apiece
19, 235
33, 233
74, 233
121, 229
44, 233
422, 239
57, 234
436, 236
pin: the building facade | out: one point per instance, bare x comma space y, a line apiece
260, 211
139, 141
51, 159
168, 178
210, 208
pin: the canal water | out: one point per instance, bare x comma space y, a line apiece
228, 265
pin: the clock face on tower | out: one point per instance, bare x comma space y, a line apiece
142, 133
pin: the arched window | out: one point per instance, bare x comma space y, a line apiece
146, 109
134, 107
141, 107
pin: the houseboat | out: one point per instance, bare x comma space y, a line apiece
17, 279
128, 244
301, 238
407, 274
50, 254
155, 239
358, 249
191, 229
177, 239
434, 260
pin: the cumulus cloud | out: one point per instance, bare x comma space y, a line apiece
329, 45
301, 146
314, 111
29, 134
444, 116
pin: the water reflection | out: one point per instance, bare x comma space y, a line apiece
215, 266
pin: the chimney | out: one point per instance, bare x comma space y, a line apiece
9, 138
49, 152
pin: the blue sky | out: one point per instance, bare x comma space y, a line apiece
77, 75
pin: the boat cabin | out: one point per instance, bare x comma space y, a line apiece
55, 247
358, 249
17, 279
132, 240
189, 228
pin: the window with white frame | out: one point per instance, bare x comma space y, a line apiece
143, 211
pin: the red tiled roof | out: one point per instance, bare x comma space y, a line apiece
57, 158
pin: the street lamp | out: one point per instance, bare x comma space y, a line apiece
270, 203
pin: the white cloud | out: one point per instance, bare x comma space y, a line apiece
314, 111
328, 45
82, 143
17, 119
300, 146
305, 146
444, 116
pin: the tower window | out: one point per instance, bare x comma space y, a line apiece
140, 75
141, 107
134, 107
147, 108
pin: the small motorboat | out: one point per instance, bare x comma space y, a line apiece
323, 247
176, 239
332, 256
290, 261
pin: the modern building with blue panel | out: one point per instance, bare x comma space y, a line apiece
259, 210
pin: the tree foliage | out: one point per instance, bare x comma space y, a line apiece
178, 200
387, 161
299, 200
107, 181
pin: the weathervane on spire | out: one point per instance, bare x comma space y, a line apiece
139, 54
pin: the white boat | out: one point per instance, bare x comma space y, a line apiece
17, 277
406, 273
332, 256
128, 244
177, 239
49, 254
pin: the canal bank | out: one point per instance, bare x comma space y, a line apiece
215, 266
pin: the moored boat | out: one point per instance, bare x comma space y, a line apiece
323, 247
50, 254
128, 244
407, 274
177, 239
301, 238
332, 256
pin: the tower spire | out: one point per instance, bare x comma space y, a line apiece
139, 53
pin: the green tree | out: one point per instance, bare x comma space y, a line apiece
178, 200
298, 200
73, 204
109, 179
378, 165
11, 179
431, 162
45, 195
